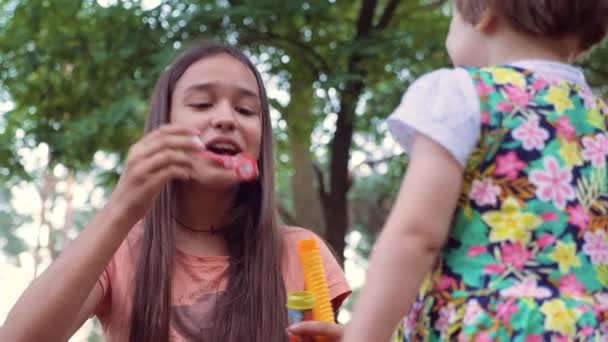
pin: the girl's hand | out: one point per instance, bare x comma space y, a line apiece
164, 154
331, 331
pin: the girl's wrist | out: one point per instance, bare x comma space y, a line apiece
118, 216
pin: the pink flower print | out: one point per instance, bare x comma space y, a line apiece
533, 338
483, 337
562, 339
493, 269
447, 315
583, 307
597, 311
600, 304
531, 134
549, 216
588, 98
526, 288
484, 192
604, 327
482, 89
514, 254
477, 250
518, 95
539, 84
596, 247
472, 312
595, 149
509, 165
553, 183
579, 217
504, 310
602, 300
586, 331
554, 81
565, 128
485, 118
545, 240
504, 107
569, 285
445, 283
412, 318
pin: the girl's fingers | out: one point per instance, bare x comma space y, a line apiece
172, 172
173, 129
154, 181
163, 160
160, 143
332, 331
168, 136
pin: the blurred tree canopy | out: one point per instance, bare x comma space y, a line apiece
79, 75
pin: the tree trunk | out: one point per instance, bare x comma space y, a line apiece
306, 198
335, 204
45, 192
300, 122
58, 238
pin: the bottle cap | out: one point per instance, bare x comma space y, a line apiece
300, 300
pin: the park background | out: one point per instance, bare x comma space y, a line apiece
76, 76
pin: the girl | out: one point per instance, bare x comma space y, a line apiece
505, 195
209, 260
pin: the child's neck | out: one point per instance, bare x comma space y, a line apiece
509, 46
202, 210
201, 207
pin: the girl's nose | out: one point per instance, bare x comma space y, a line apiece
223, 123
223, 119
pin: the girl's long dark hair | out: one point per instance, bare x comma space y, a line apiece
252, 308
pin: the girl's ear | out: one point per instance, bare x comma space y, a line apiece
487, 22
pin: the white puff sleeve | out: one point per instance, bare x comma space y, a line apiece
444, 106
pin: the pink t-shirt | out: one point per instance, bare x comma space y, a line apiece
196, 283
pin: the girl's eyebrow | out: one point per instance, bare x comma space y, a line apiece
244, 92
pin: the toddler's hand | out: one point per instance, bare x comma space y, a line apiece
331, 331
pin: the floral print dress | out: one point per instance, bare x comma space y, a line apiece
527, 255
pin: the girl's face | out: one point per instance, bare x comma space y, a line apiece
465, 44
219, 97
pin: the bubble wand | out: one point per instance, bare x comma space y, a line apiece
315, 281
245, 165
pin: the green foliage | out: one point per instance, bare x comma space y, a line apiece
10, 243
78, 75
596, 69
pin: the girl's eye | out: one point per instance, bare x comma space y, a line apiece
200, 105
245, 111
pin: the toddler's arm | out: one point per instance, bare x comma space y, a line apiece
412, 237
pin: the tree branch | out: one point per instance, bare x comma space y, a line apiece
387, 15
309, 50
276, 105
435, 4
320, 180
366, 16
374, 162
430, 6
316, 61
342, 140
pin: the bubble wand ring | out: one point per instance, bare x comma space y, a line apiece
245, 165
